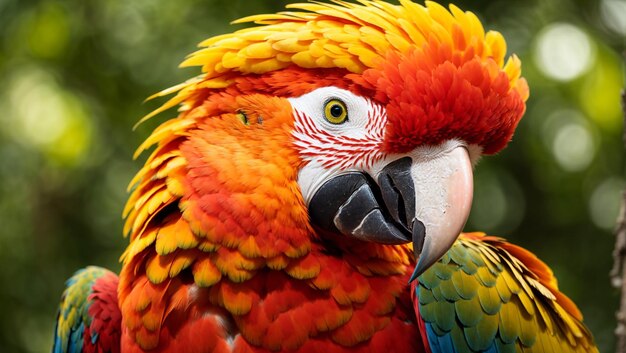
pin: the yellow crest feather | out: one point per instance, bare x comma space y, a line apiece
350, 36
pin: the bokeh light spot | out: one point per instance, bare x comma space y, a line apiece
47, 31
613, 13
600, 91
499, 205
563, 52
604, 202
570, 138
46, 117
573, 147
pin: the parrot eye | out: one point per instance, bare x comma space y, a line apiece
335, 111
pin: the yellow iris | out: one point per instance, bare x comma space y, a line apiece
335, 111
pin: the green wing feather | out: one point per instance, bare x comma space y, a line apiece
73, 316
487, 295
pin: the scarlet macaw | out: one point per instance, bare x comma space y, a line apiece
320, 162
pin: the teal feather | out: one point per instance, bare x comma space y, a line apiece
467, 312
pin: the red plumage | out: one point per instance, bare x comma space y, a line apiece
106, 317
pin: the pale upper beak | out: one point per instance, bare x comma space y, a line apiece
423, 196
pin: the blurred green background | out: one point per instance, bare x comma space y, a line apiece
73, 75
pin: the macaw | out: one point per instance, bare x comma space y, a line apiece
310, 193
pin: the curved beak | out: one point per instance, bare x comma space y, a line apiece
446, 202
424, 196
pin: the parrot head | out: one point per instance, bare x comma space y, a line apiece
358, 183
340, 123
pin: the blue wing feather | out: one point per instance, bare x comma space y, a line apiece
440, 343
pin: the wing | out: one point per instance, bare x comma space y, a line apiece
487, 295
89, 318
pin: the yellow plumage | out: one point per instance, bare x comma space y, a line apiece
366, 34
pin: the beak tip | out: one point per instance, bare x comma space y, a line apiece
431, 244
419, 237
414, 276
421, 266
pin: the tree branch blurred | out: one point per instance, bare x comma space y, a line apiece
618, 272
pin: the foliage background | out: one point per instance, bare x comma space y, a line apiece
74, 74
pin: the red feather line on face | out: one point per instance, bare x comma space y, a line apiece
336, 151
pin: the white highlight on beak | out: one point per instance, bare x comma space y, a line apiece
448, 197
443, 189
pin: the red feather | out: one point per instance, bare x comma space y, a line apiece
103, 334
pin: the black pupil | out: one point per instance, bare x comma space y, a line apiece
336, 110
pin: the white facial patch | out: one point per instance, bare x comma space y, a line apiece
335, 149
355, 145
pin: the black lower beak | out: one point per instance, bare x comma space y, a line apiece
353, 204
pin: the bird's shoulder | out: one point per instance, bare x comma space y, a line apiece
487, 294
